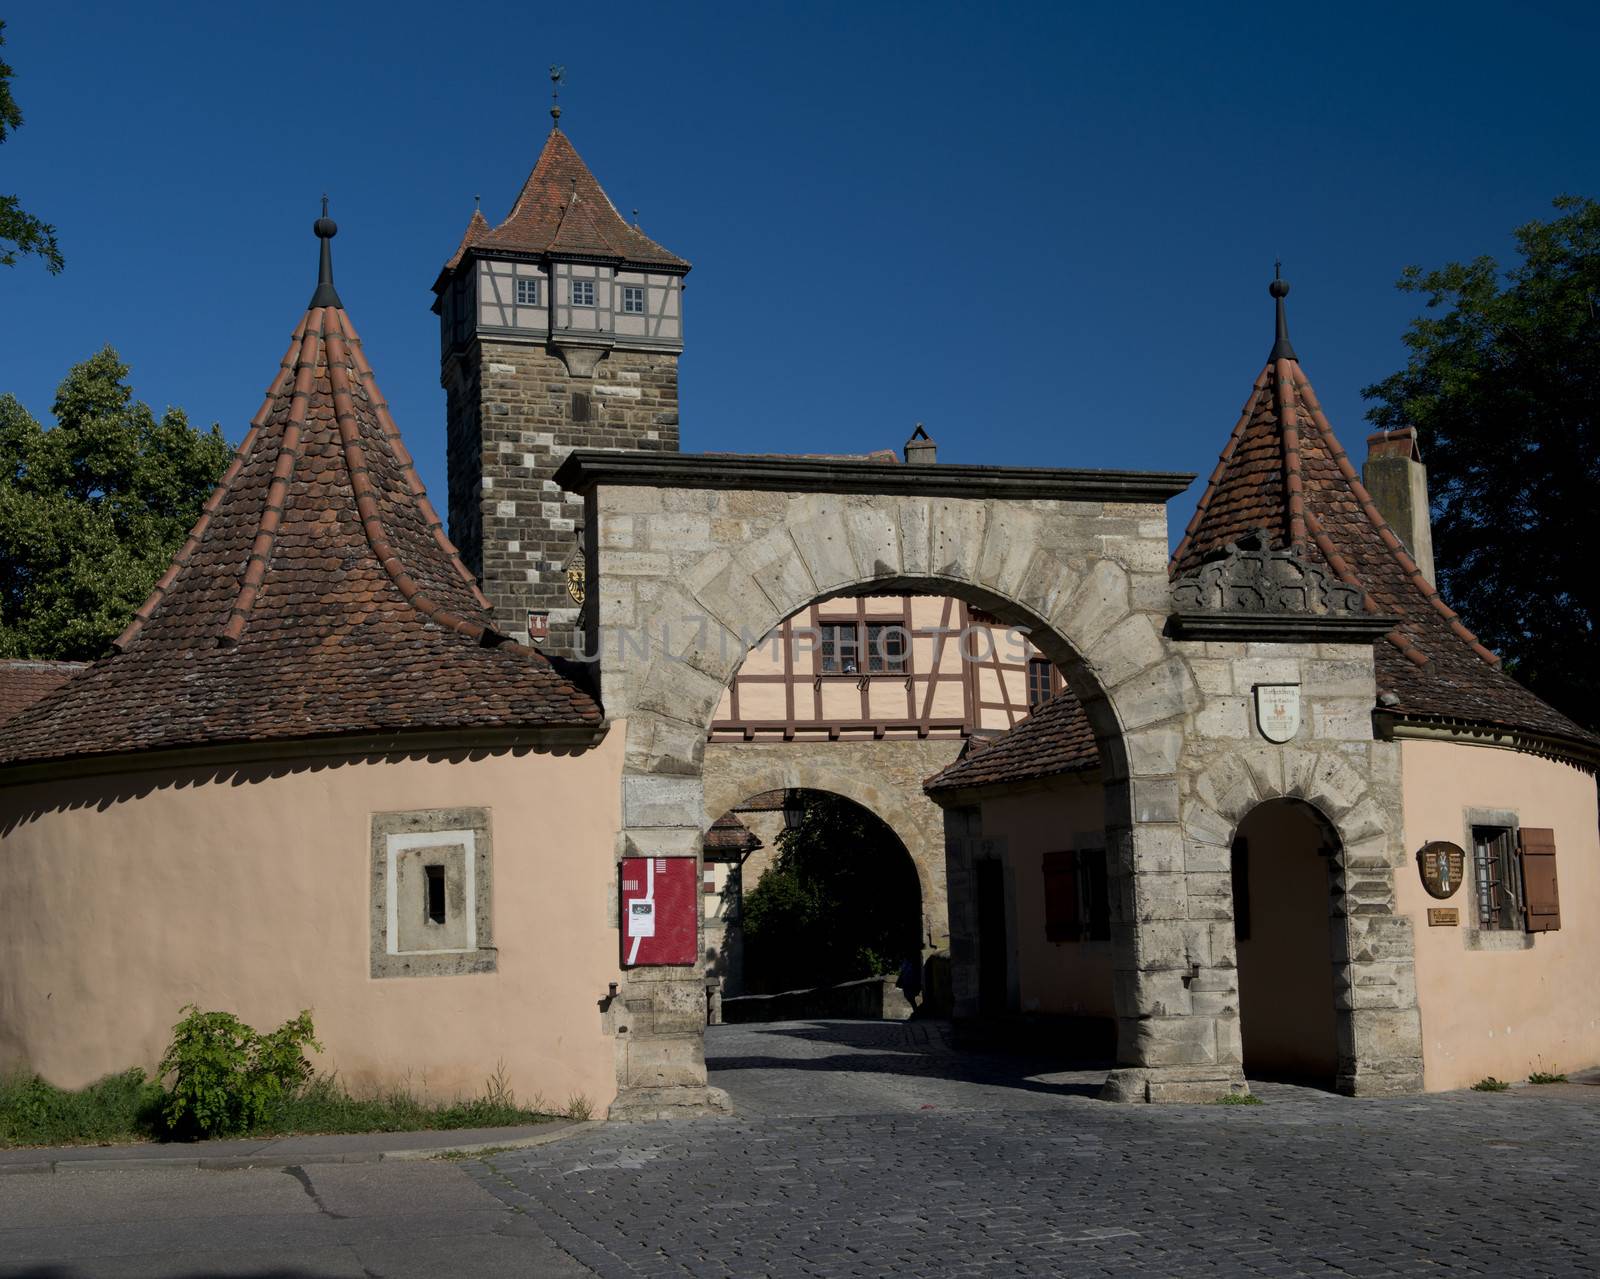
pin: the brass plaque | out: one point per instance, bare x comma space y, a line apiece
1443, 917
1441, 865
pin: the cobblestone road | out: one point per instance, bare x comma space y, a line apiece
872, 1149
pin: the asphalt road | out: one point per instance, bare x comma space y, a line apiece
873, 1149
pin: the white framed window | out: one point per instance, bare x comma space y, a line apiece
633, 299
527, 292
583, 293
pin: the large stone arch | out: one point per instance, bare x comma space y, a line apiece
693, 559
885, 778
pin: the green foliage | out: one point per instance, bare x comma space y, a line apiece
1503, 388
20, 232
228, 1078
1238, 1099
841, 902
1490, 1084
93, 509
1546, 1077
117, 1108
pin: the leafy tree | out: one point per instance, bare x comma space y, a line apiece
841, 902
93, 509
1503, 387
20, 232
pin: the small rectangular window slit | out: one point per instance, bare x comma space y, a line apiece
434, 878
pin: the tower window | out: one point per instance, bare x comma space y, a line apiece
434, 882
583, 293
632, 299
527, 293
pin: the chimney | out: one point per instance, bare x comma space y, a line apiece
1398, 481
920, 449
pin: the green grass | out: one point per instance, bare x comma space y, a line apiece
127, 1107
1238, 1099
1490, 1084
1546, 1077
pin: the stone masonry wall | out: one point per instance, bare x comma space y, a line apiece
514, 412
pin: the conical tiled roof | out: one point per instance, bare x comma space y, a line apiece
316, 595
563, 210
1284, 471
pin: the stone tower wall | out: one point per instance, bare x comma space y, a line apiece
514, 412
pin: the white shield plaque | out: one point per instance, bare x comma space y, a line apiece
1278, 711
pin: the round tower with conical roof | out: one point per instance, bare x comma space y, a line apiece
560, 328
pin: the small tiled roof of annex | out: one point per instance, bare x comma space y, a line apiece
317, 595
729, 835
1056, 738
1284, 471
22, 683
563, 210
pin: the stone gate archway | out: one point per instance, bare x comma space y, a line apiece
694, 559
885, 778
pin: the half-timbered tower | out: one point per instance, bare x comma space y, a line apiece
559, 328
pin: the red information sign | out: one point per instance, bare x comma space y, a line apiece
660, 911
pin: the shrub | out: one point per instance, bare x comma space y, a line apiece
1490, 1084
229, 1078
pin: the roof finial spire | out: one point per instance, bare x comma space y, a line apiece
1282, 349
557, 75
326, 228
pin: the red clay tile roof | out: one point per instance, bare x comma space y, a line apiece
1056, 738
1284, 470
729, 835
22, 683
316, 595
563, 210
477, 228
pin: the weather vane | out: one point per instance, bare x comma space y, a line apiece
557, 75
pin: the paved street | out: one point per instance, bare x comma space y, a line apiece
872, 1149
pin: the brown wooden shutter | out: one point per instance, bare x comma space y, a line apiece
1541, 900
1061, 919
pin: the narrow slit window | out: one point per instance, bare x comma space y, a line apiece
433, 880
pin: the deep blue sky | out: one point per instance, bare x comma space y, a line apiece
1046, 231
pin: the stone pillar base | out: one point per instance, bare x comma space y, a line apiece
684, 1101
1404, 1080
1163, 1084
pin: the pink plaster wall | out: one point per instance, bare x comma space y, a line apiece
128, 897
1503, 1012
1053, 977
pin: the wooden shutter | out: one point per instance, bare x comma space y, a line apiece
1541, 902
1061, 918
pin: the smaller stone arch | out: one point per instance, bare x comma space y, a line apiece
885, 781
1379, 1030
